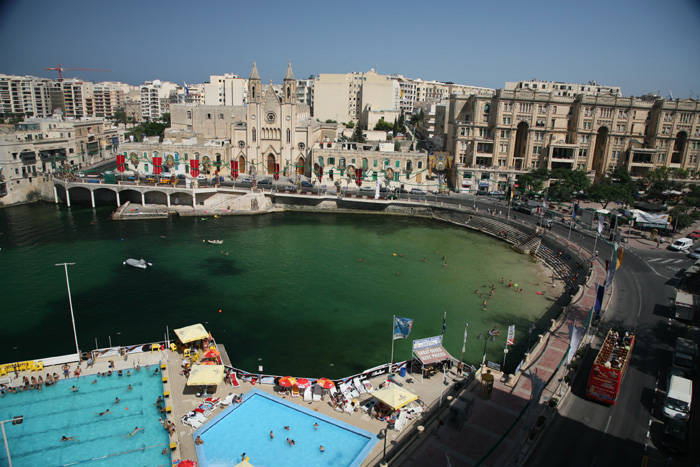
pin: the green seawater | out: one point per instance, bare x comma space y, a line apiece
287, 291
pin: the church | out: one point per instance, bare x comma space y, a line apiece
270, 134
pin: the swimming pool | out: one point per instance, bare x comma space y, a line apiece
245, 428
57, 411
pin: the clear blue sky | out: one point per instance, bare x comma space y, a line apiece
641, 45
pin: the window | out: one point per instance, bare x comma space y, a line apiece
221, 116
541, 122
621, 128
539, 136
585, 138
208, 116
376, 163
420, 164
464, 131
622, 114
537, 150
542, 109
506, 120
189, 114
525, 107
505, 133
615, 155
254, 135
661, 158
397, 164
289, 134
331, 161
587, 112
587, 125
503, 149
320, 161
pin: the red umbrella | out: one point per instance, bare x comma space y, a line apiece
325, 383
186, 464
287, 382
303, 383
212, 354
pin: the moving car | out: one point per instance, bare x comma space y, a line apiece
681, 244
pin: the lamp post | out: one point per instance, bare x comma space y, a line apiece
16, 420
491, 336
70, 302
529, 335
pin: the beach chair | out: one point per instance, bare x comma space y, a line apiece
212, 400
234, 380
353, 391
295, 391
317, 393
226, 401
345, 390
401, 420
368, 386
333, 391
307, 395
358, 385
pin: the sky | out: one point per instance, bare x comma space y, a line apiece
641, 45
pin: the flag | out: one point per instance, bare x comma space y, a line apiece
544, 202
464, 344
402, 327
601, 221
511, 335
187, 90
537, 386
573, 216
576, 334
670, 95
619, 252
444, 323
600, 293
610, 275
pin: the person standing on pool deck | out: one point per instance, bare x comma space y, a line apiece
198, 441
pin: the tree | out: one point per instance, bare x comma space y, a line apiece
417, 118
606, 191
350, 124
330, 120
357, 135
534, 180
383, 125
567, 183
119, 116
165, 118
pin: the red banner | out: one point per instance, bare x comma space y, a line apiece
277, 171
320, 174
358, 174
234, 169
194, 165
157, 165
121, 162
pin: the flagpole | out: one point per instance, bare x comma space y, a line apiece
391, 362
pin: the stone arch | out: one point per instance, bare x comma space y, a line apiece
599, 152
679, 147
300, 165
521, 144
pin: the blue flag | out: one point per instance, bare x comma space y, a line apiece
402, 327
600, 293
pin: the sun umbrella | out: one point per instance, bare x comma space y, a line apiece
303, 383
206, 375
395, 396
287, 381
325, 383
211, 354
186, 464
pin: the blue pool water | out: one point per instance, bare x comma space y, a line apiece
245, 428
56, 412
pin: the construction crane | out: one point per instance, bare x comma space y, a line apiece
60, 70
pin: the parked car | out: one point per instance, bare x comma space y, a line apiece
289, 188
306, 184
400, 190
695, 235
418, 191
265, 182
674, 435
695, 254
497, 193
366, 189
244, 180
681, 244
383, 189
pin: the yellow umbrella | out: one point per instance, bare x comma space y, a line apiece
206, 375
395, 396
192, 333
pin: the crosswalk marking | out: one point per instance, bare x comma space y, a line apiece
666, 261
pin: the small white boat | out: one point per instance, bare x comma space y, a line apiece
216, 242
137, 263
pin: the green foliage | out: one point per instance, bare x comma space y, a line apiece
165, 118
149, 129
417, 118
331, 121
619, 187
383, 125
357, 135
534, 180
119, 116
663, 179
681, 219
350, 125
567, 183
397, 146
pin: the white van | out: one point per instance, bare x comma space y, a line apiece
681, 244
678, 398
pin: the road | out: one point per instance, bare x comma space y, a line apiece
587, 433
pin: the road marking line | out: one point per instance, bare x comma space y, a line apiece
654, 259
667, 261
607, 425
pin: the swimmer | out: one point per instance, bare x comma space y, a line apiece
68, 438
272, 435
361, 260
116, 400
398, 274
198, 441
322, 448
242, 457
444, 265
315, 426
286, 428
73, 389
94, 382
424, 260
129, 388
103, 413
486, 302
136, 430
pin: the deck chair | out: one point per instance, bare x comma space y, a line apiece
307, 395
226, 401
358, 385
317, 393
295, 391
353, 392
234, 380
401, 420
368, 386
345, 390
333, 391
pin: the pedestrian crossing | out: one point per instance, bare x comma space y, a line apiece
667, 260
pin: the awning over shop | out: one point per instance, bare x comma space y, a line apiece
191, 333
394, 396
432, 355
206, 375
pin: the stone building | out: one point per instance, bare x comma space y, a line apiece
496, 138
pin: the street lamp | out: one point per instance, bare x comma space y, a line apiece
490, 337
529, 335
16, 420
70, 302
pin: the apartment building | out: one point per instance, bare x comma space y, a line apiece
565, 89
25, 95
33, 150
107, 99
155, 98
516, 131
227, 89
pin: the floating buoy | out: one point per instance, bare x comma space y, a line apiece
538, 293
219, 311
394, 254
